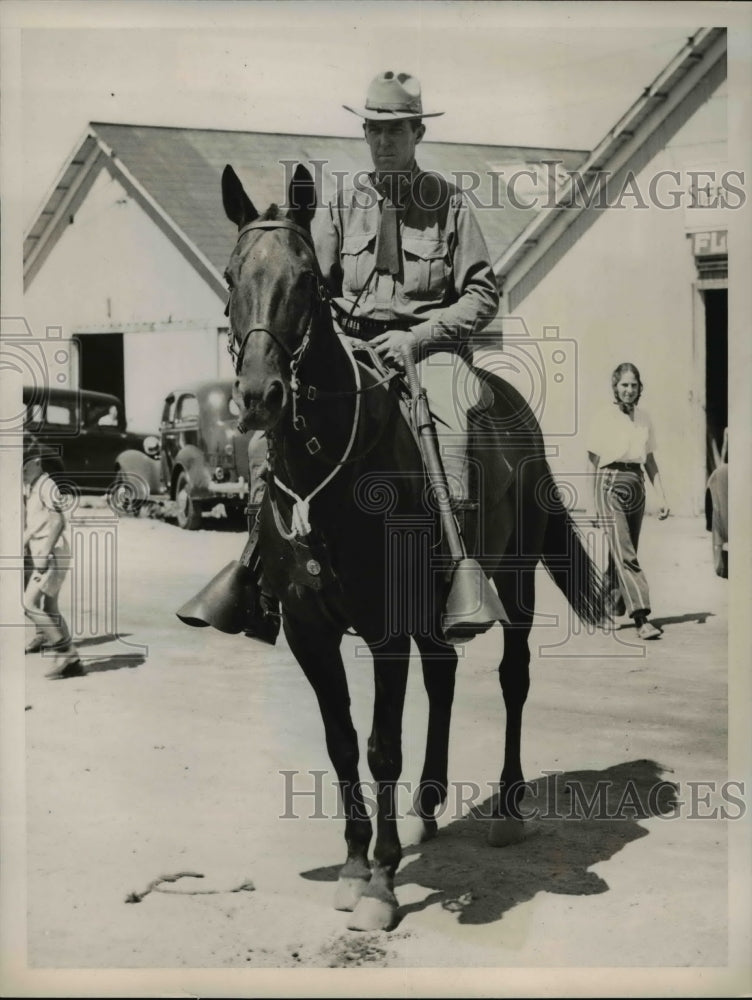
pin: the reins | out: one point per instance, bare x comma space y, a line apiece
300, 526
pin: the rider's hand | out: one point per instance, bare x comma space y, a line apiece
393, 343
663, 512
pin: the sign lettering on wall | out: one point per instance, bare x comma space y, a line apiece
710, 244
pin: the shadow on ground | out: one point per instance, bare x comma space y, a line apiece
116, 662
698, 617
579, 818
98, 640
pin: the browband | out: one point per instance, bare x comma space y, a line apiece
277, 224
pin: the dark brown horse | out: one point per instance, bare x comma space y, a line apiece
343, 530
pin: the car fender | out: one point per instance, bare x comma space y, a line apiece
192, 461
137, 466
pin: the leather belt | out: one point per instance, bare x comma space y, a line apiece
363, 327
624, 466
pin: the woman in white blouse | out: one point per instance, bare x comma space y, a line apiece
621, 444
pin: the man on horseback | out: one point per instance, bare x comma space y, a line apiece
408, 270
407, 265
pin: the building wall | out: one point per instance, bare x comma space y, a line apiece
626, 292
113, 270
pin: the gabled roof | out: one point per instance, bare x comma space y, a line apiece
648, 124
175, 174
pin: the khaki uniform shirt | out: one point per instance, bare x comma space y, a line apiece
446, 289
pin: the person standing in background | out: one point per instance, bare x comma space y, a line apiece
621, 444
44, 539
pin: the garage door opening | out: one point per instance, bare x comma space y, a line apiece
101, 366
716, 371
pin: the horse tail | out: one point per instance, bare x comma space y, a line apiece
569, 564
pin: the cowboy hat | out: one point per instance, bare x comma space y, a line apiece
393, 97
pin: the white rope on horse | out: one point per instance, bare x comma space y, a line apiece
301, 526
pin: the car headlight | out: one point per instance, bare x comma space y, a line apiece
151, 445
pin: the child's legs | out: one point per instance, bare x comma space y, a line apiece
41, 605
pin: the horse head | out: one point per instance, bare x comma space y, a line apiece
273, 279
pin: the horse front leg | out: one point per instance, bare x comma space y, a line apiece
516, 589
321, 661
439, 661
377, 907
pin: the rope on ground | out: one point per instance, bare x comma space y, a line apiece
154, 886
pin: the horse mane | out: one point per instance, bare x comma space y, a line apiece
271, 214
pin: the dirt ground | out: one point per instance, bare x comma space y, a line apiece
170, 755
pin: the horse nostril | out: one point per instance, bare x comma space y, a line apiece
274, 396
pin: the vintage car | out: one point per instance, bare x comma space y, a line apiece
87, 446
716, 510
204, 459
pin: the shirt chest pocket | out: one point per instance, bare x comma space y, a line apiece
426, 267
358, 257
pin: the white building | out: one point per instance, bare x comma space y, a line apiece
127, 255
646, 278
616, 255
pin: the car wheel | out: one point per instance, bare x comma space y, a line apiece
188, 512
720, 555
125, 496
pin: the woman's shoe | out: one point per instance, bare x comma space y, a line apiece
649, 631
35, 645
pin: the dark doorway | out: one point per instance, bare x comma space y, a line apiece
716, 370
101, 366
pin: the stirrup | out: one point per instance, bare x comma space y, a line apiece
472, 605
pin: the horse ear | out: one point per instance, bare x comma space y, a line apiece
238, 206
301, 197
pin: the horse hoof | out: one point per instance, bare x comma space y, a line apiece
349, 891
414, 829
373, 914
506, 831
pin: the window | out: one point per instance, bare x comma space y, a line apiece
99, 414
60, 415
168, 414
34, 413
188, 408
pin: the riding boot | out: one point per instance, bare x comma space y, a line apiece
457, 471
263, 618
472, 606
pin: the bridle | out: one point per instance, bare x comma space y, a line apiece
300, 523
321, 298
